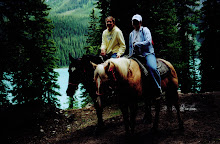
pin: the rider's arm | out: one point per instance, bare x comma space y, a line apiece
130, 45
147, 38
103, 45
121, 42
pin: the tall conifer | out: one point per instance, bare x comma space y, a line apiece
30, 51
209, 51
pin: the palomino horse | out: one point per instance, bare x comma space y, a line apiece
127, 78
81, 71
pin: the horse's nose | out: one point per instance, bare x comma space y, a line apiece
71, 89
68, 92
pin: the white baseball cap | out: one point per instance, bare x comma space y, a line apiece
137, 17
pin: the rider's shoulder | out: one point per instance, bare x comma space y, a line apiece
145, 29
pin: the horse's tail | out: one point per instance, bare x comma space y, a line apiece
171, 94
173, 73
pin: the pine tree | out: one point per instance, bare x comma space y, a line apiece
209, 51
173, 26
93, 36
187, 21
28, 42
164, 29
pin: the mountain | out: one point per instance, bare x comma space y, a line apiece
70, 19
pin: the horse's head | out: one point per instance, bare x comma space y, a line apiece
104, 75
75, 75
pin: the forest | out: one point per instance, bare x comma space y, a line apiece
184, 33
179, 28
71, 20
37, 36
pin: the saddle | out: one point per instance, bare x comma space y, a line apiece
161, 66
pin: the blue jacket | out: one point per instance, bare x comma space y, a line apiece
144, 47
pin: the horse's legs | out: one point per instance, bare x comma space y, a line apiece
181, 127
169, 104
173, 99
148, 116
99, 111
124, 110
156, 120
176, 104
133, 113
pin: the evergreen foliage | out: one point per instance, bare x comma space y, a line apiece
188, 16
69, 36
209, 52
71, 21
93, 36
28, 52
173, 25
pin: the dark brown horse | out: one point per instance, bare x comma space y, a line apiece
81, 71
126, 76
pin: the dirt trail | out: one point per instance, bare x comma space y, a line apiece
200, 113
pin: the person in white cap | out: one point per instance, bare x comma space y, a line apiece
140, 43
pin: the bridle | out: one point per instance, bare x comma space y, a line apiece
72, 84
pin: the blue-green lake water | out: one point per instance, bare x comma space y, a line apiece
63, 83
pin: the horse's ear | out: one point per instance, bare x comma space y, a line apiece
71, 58
94, 65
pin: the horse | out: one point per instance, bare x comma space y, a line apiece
129, 85
81, 71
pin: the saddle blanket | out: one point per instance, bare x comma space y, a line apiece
161, 66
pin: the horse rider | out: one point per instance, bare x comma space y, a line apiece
113, 43
140, 43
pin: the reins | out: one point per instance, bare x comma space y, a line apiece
72, 84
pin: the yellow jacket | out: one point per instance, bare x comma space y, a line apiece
113, 41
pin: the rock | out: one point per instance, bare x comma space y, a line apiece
41, 130
68, 127
56, 120
71, 117
89, 105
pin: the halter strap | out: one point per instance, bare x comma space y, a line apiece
113, 74
72, 84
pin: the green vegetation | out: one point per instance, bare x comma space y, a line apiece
71, 21
175, 27
27, 53
209, 51
37, 36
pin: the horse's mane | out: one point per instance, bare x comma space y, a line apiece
121, 65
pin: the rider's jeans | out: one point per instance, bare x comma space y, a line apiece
152, 67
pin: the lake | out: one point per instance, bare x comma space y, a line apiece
63, 83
